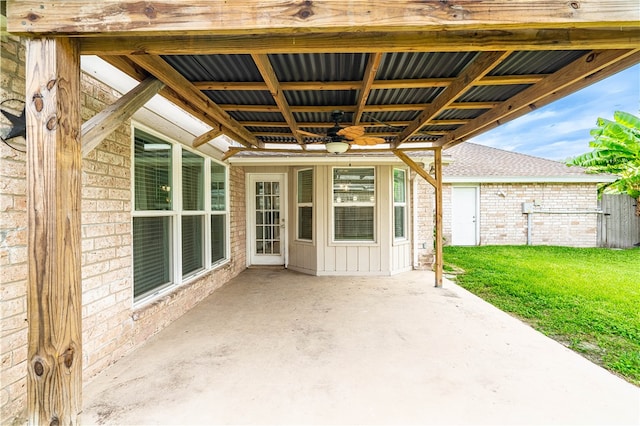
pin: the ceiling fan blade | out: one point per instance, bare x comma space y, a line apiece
313, 135
351, 132
368, 140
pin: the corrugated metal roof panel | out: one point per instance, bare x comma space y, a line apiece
460, 114
215, 67
411, 65
403, 96
319, 66
240, 97
388, 116
321, 97
492, 93
256, 116
520, 63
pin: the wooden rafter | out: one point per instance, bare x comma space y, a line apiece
376, 134
134, 17
590, 63
579, 84
482, 65
362, 123
206, 137
416, 83
351, 108
271, 80
365, 88
157, 67
105, 122
133, 70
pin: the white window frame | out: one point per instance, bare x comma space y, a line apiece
399, 204
305, 204
373, 204
225, 212
176, 214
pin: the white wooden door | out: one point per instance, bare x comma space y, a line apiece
464, 216
266, 219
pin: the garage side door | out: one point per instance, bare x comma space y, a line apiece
464, 212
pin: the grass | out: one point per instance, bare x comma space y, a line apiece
587, 299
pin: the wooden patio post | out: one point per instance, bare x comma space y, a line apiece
438, 187
54, 304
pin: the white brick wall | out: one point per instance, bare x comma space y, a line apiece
110, 325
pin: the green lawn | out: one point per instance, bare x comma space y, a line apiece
587, 299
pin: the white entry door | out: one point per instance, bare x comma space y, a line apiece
464, 216
266, 236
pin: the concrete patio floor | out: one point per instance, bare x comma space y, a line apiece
278, 347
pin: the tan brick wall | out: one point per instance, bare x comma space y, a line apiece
13, 243
424, 209
564, 221
111, 325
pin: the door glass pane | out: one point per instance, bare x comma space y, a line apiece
268, 218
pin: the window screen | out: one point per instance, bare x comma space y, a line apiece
353, 203
399, 203
305, 204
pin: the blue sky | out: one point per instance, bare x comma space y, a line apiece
560, 130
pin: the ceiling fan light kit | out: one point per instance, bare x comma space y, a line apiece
340, 138
336, 147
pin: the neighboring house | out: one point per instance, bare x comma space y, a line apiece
164, 225
500, 197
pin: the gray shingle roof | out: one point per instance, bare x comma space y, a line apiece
479, 161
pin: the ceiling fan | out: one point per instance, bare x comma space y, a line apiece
338, 139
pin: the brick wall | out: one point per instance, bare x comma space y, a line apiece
563, 222
111, 326
565, 215
13, 243
424, 211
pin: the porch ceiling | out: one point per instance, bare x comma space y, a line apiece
447, 72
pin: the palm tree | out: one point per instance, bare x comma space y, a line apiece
616, 150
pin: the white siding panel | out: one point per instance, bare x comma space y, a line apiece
352, 259
340, 258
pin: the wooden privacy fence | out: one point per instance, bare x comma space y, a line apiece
618, 226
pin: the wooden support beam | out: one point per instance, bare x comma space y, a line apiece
157, 67
271, 80
590, 63
416, 83
130, 17
579, 84
438, 266
365, 87
467, 40
54, 170
206, 137
326, 124
230, 153
436, 182
135, 71
480, 67
351, 108
415, 167
106, 121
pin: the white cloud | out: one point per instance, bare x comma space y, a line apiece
561, 129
